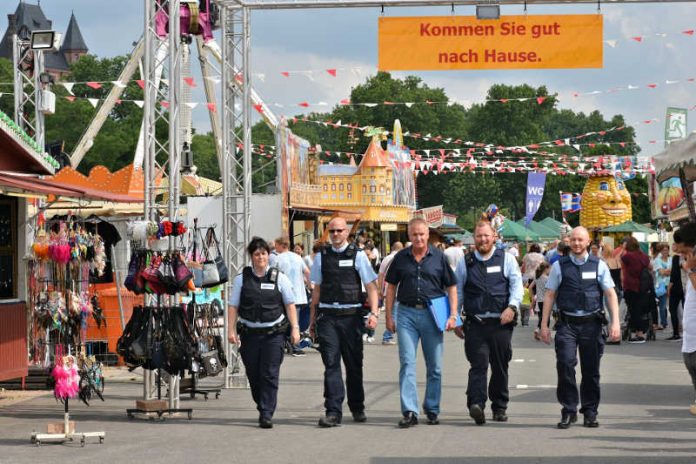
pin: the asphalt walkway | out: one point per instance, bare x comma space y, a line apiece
644, 417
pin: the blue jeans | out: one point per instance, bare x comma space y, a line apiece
662, 305
414, 325
388, 334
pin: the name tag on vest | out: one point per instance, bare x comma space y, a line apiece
345, 263
267, 286
589, 275
493, 269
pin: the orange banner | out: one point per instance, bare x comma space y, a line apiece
433, 43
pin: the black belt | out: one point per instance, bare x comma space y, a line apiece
340, 312
278, 328
579, 319
483, 320
417, 305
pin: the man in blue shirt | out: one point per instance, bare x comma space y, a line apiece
489, 286
576, 284
339, 271
421, 273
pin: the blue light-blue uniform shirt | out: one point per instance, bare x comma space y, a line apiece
362, 265
284, 285
603, 274
511, 270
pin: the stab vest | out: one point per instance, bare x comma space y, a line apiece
261, 300
486, 288
340, 282
579, 290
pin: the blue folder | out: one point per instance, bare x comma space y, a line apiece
440, 310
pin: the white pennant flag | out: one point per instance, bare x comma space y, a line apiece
576, 146
370, 105
321, 103
191, 105
93, 101
611, 43
214, 80
632, 87
668, 82
262, 77
68, 86
408, 105
139, 103
310, 75
119, 84
355, 71
165, 82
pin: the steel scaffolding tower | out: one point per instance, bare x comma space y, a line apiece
28, 65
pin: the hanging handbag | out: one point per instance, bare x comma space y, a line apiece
211, 363
214, 270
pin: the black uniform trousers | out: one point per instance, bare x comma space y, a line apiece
675, 298
486, 344
586, 337
262, 355
340, 337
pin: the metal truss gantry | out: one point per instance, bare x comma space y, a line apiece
28, 65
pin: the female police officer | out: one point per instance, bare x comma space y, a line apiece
261, 308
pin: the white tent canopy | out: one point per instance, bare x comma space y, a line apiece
678, 154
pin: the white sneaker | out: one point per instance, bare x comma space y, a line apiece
364, 338
370, 339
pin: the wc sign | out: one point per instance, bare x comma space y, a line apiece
535, 193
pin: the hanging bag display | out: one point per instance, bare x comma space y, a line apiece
214, 269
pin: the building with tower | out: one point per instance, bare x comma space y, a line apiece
28, 18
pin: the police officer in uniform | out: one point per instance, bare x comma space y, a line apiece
489, 285
261, 310
577, 283
339, 271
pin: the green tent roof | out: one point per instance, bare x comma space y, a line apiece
629, 227
552, 224
544, 232
513, 231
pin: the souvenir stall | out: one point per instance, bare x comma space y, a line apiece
675, 170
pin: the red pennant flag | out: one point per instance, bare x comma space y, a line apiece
303, 105
559, 142
691, 79
689, 32
602, 132
141, 83
294, 120
345, 101
623, 144
332, 72
70, 98
189, 81
534, 145
591, 145
285, 73
212, 107
94, 85
429, 102
504, 100
388, 103
647, 121
165, 104
119, 101
653, 141
540, 100
259, 107
652, 86
638, 38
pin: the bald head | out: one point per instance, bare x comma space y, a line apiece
579, 241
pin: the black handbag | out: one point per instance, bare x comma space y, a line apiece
210, 362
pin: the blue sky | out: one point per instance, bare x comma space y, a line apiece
347, 38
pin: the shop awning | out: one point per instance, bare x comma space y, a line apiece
16, 154
28, 185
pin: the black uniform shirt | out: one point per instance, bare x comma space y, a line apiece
419, 282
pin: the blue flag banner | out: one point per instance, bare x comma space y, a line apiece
570, 202
535, 192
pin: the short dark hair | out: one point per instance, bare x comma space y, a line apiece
534, 248
257, 243
686, 234
563, 249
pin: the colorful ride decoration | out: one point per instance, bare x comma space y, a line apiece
671, 195
605, 202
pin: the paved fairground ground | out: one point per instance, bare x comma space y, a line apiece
644, 417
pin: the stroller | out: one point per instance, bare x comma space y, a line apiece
649, 304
